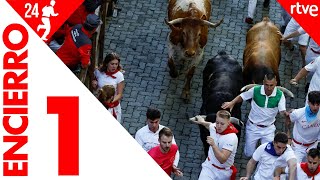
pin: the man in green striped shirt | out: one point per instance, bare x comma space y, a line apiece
267, 101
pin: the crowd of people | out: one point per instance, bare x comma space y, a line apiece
293, 155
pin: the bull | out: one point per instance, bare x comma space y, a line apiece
222, 81
262, 53
189, 23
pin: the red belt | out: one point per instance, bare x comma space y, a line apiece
233, 169
297, 142
262, 126
317, 52
222, 168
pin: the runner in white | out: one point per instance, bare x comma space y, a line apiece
223, 143
309, 170
148, 136
270, 155
306, 129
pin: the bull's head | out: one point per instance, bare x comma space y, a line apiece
192, 33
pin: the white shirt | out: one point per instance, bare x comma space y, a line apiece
268, 162
303, 131
312, 43
263, 115
314, 66
103, 79
148, 140
227, 141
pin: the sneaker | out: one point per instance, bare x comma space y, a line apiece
249, 20
266, 3
289, 54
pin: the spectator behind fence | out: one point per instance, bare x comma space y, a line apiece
165, 153
80, 14
109, 74
77, 46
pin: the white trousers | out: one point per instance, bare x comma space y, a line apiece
252, 8
210, 172
254, 134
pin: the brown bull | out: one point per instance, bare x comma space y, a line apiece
188, 21
262, 52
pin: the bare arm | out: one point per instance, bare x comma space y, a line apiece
250, 166
277, 172
221, 155
230, 104
301, 74
120, 88
294, 34
292, 163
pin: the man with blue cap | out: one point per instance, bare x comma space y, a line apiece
306, 129
77, 45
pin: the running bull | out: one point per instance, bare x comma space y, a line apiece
189, 22
222, 81
262, 52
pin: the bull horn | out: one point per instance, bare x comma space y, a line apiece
175, 21
285, 90
247, 87
194, 118
213, 25
236, 121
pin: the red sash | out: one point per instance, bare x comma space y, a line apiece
304, 167
112, 105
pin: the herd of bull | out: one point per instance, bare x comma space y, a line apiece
223, 77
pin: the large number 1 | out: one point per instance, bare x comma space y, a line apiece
67, 109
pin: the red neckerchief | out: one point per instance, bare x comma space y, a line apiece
228, 130
304, 167
111, 74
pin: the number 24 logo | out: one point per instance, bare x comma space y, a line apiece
31, 11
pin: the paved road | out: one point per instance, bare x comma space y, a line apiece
139, 34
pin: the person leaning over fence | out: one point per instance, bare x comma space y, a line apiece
109, 74
80, 14
306, 129
165, 153
223, 143
77, 45
269, 156
309, 170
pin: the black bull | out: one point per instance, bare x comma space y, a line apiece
222, 81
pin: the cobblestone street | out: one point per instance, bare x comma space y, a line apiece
139, 35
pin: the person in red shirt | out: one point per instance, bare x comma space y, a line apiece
164, 154
77, 46
80, 14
